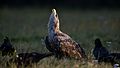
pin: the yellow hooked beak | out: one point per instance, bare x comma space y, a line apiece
54, 11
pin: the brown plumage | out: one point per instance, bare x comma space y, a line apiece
60, 43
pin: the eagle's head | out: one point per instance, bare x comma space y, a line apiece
53, 24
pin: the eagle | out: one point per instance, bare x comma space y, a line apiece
7, 48
59, 43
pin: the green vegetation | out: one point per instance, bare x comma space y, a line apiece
27, 28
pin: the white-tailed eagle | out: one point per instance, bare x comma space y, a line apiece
60, 43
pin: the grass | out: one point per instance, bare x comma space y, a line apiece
27, 28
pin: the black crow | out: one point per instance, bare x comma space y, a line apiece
7, 48
99, 51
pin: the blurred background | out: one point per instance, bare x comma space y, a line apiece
63, 3
25, 22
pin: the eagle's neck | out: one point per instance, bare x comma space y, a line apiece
53, 24
51, 35
53, 29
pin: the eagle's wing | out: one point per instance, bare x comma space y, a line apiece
67, 46
48, 45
